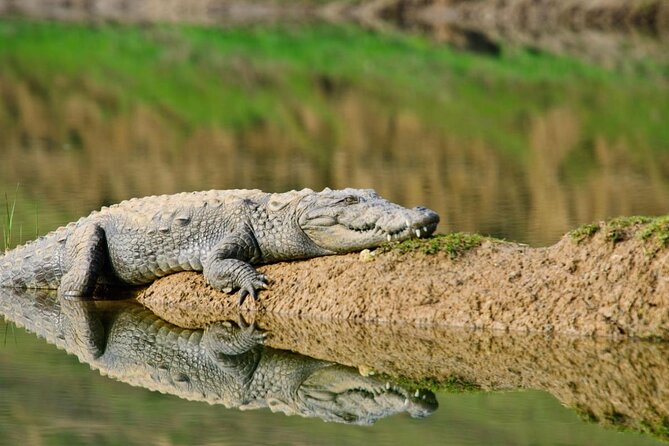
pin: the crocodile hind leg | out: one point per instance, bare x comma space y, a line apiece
83, 328
84, 259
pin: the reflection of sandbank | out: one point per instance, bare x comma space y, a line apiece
608, 283
618, 384
622, 384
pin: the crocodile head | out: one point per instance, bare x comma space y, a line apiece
353, 219
339, 393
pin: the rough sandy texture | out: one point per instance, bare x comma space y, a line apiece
596, 287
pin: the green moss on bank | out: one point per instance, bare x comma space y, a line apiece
657, 229
452, 384
584, 232
653, 230
454, 244
623, 423
617, 229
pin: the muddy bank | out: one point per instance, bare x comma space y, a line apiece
612, 33
618, 15
606, 280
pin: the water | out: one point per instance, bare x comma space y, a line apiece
502, 126
52, 398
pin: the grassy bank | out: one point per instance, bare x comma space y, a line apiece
653, 230
238, 78
523, 143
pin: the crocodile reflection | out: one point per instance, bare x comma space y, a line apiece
225, 363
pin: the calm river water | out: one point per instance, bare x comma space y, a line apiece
501, 134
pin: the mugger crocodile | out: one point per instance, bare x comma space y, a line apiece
221, 233
224, 363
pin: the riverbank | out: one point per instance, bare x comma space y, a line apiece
608, 279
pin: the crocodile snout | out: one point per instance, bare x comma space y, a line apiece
425, 222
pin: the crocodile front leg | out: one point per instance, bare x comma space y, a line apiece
225, 338
236, 349
227, 267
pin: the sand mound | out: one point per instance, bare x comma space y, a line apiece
610, 279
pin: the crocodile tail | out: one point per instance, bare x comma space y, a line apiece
36, 264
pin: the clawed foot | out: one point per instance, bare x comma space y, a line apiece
251, 330
230, 274
229, 338
252, 286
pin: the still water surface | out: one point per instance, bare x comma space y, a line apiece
51, 398
516, 142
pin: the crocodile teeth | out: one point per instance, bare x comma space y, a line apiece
387, 386
417, 232
424, 228
389, 237
417, 394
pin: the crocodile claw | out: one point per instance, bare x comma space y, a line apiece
244, 292
252, 286
251, 330
227, 338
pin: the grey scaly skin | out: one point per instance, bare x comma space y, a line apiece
220, 364
221, 233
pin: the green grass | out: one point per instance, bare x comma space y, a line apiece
657, 229
454, 244
240, 78
653, 230
8, 226
616, 229
452, 384
21, 217
584, 232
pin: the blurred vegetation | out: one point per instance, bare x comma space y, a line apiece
238, 77
522, 145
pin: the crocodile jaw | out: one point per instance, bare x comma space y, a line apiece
339, 394
355, 219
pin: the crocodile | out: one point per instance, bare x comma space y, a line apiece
223, 363
219, 232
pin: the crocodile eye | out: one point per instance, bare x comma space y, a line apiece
351, 200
